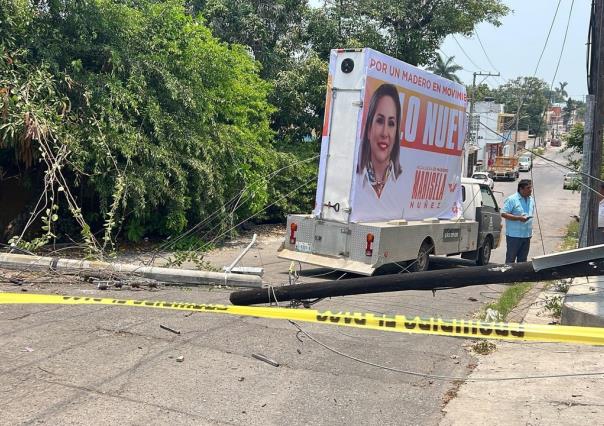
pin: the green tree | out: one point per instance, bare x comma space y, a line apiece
446, 69
300, 94
286, 35
31, 106
408, 30
138, 92
580, 108
574, 138
482, 92
270, 30
560, 93
529, 96
568, 111
405, 29
141, 93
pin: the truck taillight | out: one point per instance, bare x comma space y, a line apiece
369, 248
292, 233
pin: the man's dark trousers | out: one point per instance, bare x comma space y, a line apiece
517, 249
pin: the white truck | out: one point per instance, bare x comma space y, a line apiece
390, 187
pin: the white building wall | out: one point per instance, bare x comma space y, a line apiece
488, 114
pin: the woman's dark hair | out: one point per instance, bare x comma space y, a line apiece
383, 90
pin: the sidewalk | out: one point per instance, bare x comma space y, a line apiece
561, 401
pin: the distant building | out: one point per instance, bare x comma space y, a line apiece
492, 133
488, 131
555, 121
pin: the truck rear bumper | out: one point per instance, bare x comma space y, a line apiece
330, 262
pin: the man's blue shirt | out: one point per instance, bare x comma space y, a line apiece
517, 205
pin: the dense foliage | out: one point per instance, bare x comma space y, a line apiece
146, 92
162, 114
574, 138
446, 68
529, 94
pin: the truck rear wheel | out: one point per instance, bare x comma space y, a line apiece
483, 255
423, 258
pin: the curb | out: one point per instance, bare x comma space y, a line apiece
584, 303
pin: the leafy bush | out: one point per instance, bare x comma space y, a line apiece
141, 93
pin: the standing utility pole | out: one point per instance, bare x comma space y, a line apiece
592, 144
473, 125
586, 194
517, 122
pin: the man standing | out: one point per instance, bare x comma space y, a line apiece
518, 211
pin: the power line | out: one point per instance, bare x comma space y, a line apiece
436, 376
484, 50
570, 12
547, 38
487, 56
524, 95
465, 53
546, 108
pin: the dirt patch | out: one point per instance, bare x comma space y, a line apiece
452, 392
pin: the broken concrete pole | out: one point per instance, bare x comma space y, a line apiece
23, 262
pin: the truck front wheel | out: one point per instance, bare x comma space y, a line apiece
484, 252
423, 258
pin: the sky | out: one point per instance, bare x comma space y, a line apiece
515, 46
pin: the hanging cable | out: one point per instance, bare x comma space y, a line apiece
545, 112
545, 158
436, 376
465, 53
547, 38
500, 77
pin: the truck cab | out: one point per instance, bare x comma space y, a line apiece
484, 210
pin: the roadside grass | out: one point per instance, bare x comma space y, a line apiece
508, 300
512, 296
539, 150
553, 303
571, 239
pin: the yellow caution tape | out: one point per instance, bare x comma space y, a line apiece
399, 323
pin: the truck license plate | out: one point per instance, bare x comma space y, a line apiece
303, 247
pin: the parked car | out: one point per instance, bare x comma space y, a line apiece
525, 163
484, 177
556, 142
572, 180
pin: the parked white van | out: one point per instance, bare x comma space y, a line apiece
525, 163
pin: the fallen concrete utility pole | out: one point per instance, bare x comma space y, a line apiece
588, 261
22, 262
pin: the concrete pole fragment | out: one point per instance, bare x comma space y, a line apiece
23, 262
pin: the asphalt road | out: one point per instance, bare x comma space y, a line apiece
92, 364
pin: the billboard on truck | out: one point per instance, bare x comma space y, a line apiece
401, 156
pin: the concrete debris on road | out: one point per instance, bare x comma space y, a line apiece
171, 330
265, 359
